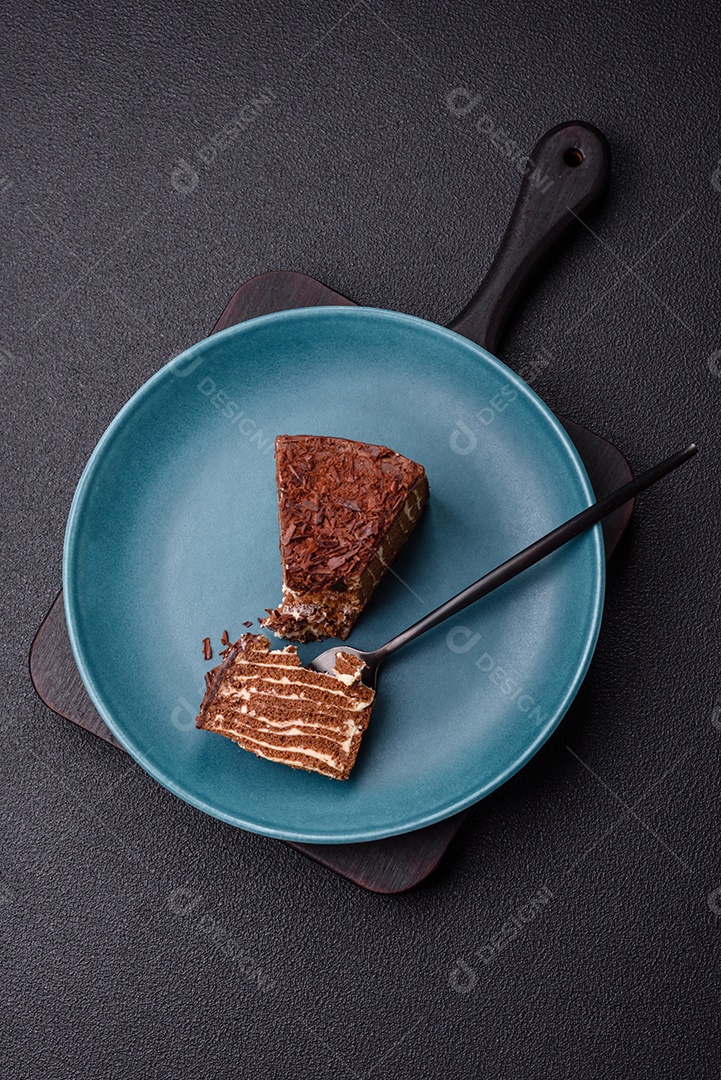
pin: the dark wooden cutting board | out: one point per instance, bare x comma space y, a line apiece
540, 217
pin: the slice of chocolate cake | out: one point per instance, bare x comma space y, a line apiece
345, 509
269, 704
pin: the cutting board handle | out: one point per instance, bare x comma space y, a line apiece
566, 172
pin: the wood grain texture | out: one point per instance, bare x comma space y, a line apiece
568, 170
55, 676
277, 291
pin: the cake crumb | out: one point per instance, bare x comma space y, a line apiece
207, 649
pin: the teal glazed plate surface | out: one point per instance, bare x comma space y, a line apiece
173, 536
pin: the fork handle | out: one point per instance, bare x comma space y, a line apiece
536, 551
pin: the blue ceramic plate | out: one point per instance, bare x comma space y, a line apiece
173, 536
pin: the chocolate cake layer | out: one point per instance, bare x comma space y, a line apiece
270, 704
345, 510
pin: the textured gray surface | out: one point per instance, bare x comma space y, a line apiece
143, 939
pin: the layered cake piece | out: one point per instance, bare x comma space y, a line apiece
345, 510
270, 704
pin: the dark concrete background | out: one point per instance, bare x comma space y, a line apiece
358, 174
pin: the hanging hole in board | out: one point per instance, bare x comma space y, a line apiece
573, 156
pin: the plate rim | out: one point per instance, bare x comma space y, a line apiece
158, 774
